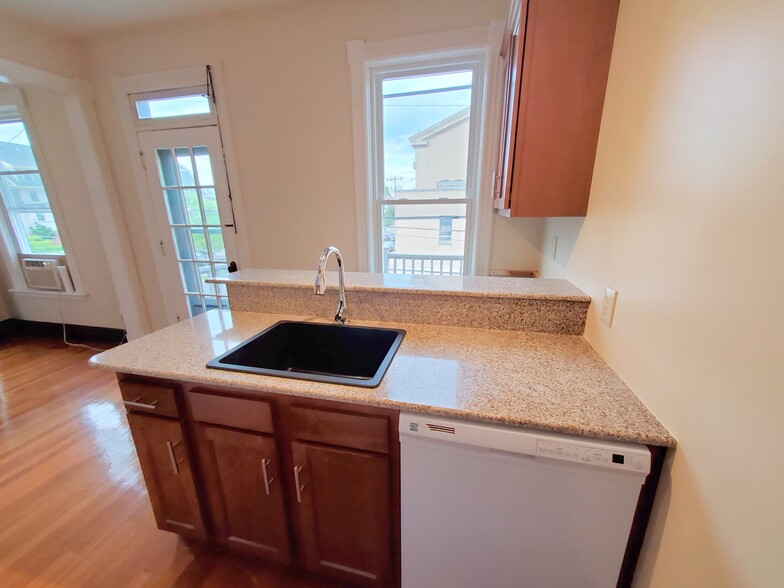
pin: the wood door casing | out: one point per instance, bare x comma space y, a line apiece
343, 522
245, 517
166, 466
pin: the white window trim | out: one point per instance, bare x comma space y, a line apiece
191, 120
363, 59
103, 196
125, 86
11, 247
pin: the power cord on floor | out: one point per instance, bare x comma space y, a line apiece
67, 342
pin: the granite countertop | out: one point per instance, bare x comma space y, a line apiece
534, 380
472, 286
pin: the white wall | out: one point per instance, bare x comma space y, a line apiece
685, 220
50, 124
41, 47
50, 51
288, 93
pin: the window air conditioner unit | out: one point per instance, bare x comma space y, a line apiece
43, 273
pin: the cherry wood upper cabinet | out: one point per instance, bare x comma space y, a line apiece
558, 59
166, 465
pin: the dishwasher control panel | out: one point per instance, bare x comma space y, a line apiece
586, 454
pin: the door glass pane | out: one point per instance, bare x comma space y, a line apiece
195, 223
199, 243
426, 119
167, 168
217, 245
415, 239
182, 242
205, 272
210, 202
203, 167
191, 198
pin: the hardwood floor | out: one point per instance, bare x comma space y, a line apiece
73, 506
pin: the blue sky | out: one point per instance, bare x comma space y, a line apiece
406, 115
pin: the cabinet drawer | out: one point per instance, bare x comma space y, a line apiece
240, 413
370, 433
143, 397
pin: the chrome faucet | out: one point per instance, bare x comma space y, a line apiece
341, 313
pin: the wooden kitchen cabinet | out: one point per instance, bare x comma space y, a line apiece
243, 484
343, 526
166, 465
308, 483
558, 58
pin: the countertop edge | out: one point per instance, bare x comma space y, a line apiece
577, 298
291, 390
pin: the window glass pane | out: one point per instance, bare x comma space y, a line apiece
426, 121
174, 206
210, 302
23, 193
414, 238
173, 106
224, 303
203, 167
15, 151
210, 202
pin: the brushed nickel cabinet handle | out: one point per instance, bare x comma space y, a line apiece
174, 464
136, 404
265, 473
300, 488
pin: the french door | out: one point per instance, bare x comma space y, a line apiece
193, 212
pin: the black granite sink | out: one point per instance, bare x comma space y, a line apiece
336, 354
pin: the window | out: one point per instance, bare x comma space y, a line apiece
424, 117
445, 230
167, 104
23, 194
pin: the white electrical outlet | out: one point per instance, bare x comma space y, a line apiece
608, 306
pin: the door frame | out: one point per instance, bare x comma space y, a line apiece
170, 279
152, 82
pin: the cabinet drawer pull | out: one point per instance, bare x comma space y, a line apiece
136, 404
174, 463
300, 488
265, 473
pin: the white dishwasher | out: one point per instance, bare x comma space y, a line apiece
496, 507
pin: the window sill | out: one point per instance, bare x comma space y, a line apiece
48, 294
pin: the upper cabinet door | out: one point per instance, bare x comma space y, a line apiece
243, 482
166, 466
562, 62
344, 512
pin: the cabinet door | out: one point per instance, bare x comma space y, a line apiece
163, 454
344, 512
563, 69
243, 483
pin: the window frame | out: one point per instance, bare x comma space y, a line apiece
443, 62
479, 44
169, 122
13, 98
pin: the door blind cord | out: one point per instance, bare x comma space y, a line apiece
67, 342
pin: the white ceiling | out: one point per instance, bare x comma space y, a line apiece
86, 17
